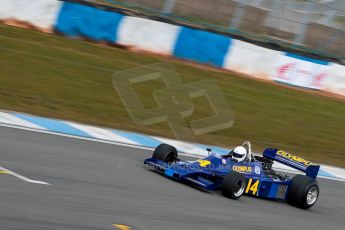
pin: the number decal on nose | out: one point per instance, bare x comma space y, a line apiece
204, 163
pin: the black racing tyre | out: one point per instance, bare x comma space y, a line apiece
165, 152
234, 185
303, 191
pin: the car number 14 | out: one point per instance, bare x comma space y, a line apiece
252, 186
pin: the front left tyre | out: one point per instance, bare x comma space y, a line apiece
233, 185
165, 152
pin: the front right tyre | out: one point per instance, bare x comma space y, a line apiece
303, 192
165, 152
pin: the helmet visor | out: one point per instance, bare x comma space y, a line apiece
237, 155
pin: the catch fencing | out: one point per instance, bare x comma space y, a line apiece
317, 26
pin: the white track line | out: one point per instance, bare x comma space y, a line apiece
23, 177
128, 145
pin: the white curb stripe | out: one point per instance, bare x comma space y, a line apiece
334, 171
11, 119
100, 133
184, 147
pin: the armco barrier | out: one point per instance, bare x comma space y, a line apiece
77, 20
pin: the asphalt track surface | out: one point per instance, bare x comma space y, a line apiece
95, 185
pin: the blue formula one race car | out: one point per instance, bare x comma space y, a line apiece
253, 176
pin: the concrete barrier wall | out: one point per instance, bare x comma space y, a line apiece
335, 80
38, 13
148, 35
76, 20
252, 60
300, 71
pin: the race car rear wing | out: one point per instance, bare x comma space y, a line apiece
292, 161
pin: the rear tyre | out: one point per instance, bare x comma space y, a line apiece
233, 185
165, 152
303, 192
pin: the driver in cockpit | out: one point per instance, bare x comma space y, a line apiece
239, 154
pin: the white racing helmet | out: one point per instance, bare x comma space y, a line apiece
239, 154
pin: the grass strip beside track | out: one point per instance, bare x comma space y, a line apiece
58, 77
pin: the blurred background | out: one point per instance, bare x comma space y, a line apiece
269, 49
145, 72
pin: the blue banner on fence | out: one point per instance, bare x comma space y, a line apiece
202, 46
77, 20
